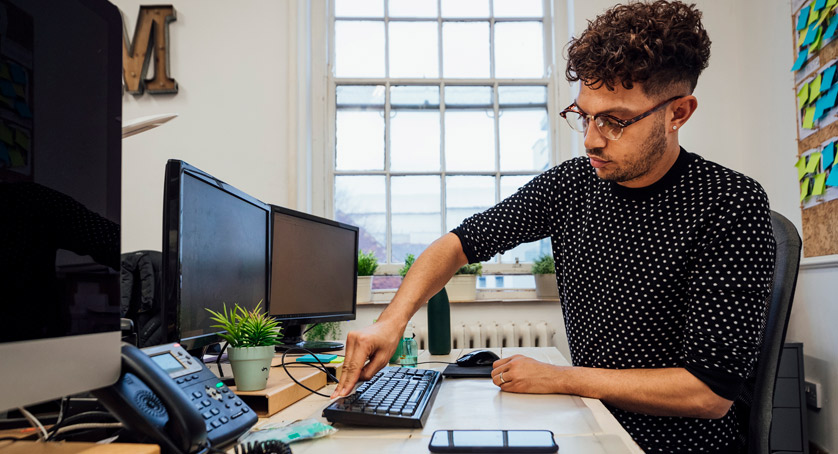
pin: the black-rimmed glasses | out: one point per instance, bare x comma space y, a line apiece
609, 126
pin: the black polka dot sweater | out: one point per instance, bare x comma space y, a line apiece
675, 274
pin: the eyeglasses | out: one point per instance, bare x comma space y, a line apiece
609, 126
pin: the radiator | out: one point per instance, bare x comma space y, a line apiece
492, 334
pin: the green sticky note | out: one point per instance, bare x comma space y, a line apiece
801, 167
820, 184
803, 95
815, 88
6, 134
814, 15
824, 15
802, 38
809, 118
19, 90
22, 139
804, 189
16, 158
4, 68
816, 44
830, 3
814, 161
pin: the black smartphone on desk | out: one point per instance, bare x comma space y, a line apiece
493, 441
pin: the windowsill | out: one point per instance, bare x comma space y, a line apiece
383, 297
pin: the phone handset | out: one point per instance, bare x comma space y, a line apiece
147, 401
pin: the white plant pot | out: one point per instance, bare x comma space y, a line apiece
364, 293
545, 286
462, 287
251, 366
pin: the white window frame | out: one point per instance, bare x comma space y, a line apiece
554, 99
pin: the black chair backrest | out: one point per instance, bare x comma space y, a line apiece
786, 265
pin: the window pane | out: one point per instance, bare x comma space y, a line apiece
523, 139
522, 95
465, 49
360, 95
412, 8
465, 196
359, 140
465, 8
415, 96
517, 8
519, 50
468, 96
359, 49
416, 214
359, 8
510, 184
413, 49
527, 252
469, 140
414, 140
360, 201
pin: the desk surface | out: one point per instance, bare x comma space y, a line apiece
579, 424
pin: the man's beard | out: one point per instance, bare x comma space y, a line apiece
638, 164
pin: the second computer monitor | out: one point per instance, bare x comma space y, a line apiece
314, 265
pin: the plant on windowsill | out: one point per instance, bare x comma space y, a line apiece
367, 264
463, 285
544, 272
251, 337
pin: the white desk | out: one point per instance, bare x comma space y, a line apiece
580, 425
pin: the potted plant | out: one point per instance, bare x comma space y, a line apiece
251, 337
367, 264
544, 271
323, 331
463, 285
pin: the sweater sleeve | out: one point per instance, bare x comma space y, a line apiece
729, 284
527, 215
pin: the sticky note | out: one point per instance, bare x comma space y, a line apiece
802, 38
830, 30
828, 156
23, 109
18, 74
19, 90
828, 77
311, 359
22, 139
816, 44
832, 179
4, 71
7, 89
803, 96
831, 97
830, 3
811, 35
812, 163
803, 19
801, 59
804, 189
6, 134
801, 167
16, 158
820, 184
819, 4
820, 108
809, 118
815, 88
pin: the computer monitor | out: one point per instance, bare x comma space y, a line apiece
60, 198
215, 253
314, 268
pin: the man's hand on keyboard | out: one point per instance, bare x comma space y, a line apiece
375, 343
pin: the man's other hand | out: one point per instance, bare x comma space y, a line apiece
522, 374
375, 343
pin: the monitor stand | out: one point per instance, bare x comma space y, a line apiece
292, 337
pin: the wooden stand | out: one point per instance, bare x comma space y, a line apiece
281, 390
66, 447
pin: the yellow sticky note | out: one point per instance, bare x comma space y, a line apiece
22, 139
820, 184
824, 15
814, 15
802, 37
804, 189
809, 118
16, 158
831, 3
814, 161
803, 95
815, 88
6, 134
801, 167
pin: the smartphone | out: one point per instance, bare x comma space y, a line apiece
492, 441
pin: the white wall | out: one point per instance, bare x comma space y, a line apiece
250, 106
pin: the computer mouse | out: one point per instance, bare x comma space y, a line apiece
477, 358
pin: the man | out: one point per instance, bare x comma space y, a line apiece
664, 260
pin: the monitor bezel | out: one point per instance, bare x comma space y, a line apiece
172, 254
310, 318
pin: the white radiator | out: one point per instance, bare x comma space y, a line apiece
492, 334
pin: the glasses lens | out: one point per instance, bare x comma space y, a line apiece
577, 121
609, 128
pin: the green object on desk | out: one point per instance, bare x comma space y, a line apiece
315, 357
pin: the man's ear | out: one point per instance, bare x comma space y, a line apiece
682, 110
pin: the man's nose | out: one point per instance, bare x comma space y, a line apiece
593, 138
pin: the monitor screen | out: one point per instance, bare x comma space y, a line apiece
60, 195
314, 263
215, 252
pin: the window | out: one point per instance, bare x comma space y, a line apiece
441, 109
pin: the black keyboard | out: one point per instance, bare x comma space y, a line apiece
394, 397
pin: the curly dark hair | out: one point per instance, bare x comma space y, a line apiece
660, 45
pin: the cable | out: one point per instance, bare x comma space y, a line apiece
90, 425
218, 360
321, 368
88, 417
35, 423
309, 328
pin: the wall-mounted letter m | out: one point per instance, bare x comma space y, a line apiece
151, 36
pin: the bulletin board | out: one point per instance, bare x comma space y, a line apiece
815, 28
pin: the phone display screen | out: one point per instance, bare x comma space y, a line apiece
493, 441
168, 363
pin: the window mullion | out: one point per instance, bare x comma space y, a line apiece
443, 219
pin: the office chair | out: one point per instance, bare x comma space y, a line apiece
786, 264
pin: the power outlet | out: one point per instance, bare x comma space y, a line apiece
813, 394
